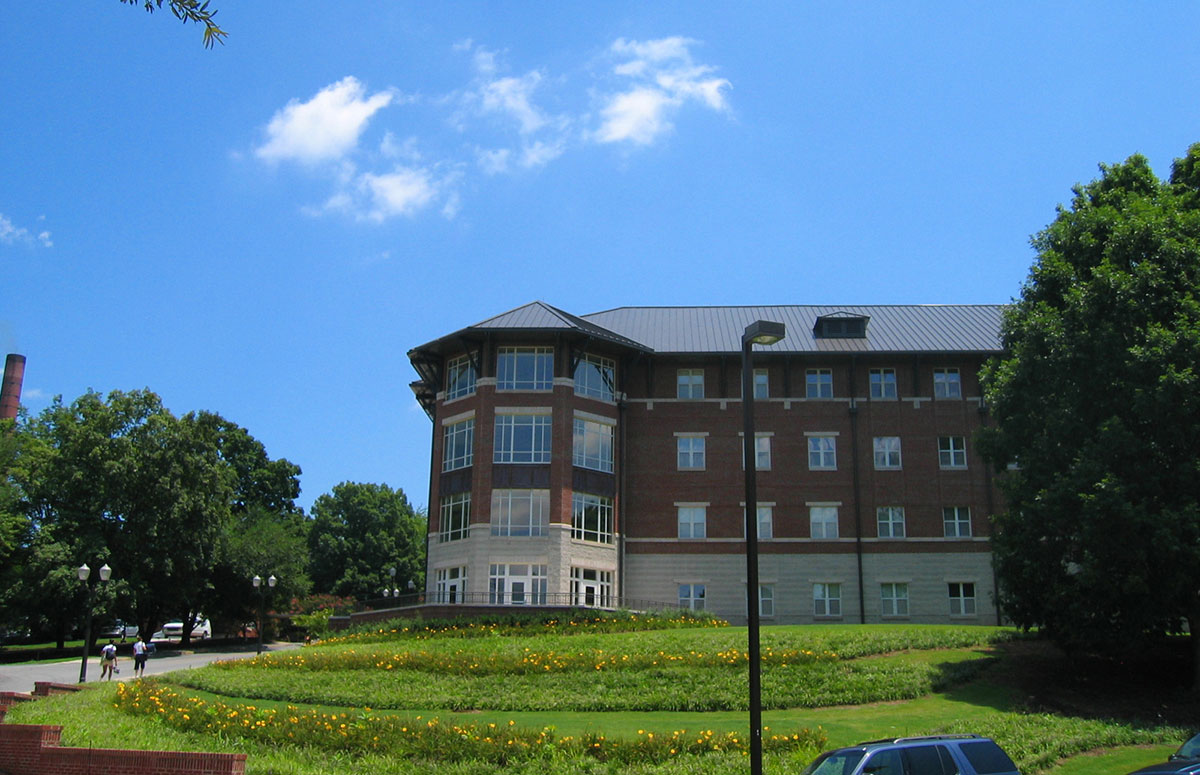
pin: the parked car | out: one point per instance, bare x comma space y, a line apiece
1185, 760
930, 755
174, 630
119, 629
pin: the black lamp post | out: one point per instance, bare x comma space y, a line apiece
83, 572
262, 611
758, 332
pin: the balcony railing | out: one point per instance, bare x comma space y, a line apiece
528, 599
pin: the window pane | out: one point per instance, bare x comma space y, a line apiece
593, 445
460, 378
595, 377
525, 368
689, 383
522, 438
458, 445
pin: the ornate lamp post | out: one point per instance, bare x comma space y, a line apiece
759, 332
83, 572
262, 611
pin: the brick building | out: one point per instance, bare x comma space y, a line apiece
597, 460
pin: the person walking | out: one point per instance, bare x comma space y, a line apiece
108, 661
140, 652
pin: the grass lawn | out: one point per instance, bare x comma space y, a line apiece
856, 683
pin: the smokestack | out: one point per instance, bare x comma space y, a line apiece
10, 391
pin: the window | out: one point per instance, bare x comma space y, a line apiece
517, 584
595, 377
841, 326
690, 451
692, 521
592, 518
766, 599
887, 453
451, 585
593, 445
522, 438
957, 521
822, 453
525, 368
762, 451
762, 387
691, 596
894, 597
827, 599
823, 521
883, 383
455, 520
891, 521
591, 587
962, 598
520, 513
952, 451
766, 522
689, 383
458, 444
460, 377
818, 383
946, 383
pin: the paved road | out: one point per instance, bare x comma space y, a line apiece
20, 678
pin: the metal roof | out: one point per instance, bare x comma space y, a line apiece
535, 316
892, 328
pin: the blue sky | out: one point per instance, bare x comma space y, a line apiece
266, 228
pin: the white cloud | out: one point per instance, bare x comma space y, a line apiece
11, 234
401, 192
539, 153
327, 127
503, 118
511, 97
638, 116
664, 79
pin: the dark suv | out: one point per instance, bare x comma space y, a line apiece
1185, 760
931, 755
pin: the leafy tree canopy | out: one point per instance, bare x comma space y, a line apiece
119, 479
189, 11
1097, 414
358, 532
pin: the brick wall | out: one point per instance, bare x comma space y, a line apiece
33, 749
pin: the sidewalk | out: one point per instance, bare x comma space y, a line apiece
20, 678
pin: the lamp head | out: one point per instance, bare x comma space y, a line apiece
764, 332
105, 572
271, 581
83, 571
256, 581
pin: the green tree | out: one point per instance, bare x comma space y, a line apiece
189, 11
1097, 416
122, 480
358, 532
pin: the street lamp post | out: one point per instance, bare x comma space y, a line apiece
83, 572
262, 612
759, 332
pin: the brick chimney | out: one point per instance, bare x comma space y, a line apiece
10, 391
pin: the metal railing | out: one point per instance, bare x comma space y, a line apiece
527, 599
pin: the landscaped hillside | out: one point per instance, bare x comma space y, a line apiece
596, 693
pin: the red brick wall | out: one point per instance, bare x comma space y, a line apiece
33, 749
